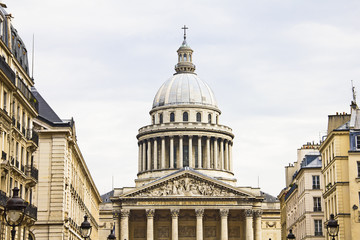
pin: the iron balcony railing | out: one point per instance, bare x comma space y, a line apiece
5, 68
317, 209
35, 137
32, 172
27, 93
31, 210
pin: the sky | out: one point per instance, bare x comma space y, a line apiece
277, 68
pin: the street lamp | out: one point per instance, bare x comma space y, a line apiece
111, 235
14, 211
290, 235
332, 227
85, 228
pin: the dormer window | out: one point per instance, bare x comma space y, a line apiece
185, 117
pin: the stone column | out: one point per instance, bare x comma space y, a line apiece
191, 162
139, 157
222, 163
181, 155
148, 156
224, 223
155, 153
199, 223
230, 157
144, 155
200, 165
116, 218
175, 227
226, 167
258, 214
124, 231
163, 153
215, 154
171, 152
249, 224
150, 224
208, 161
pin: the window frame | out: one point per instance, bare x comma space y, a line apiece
315, 182
317, 204
185, 116
198, 117
318, 229
172, 117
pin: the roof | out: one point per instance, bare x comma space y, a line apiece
184, 89
269, 198
45, 111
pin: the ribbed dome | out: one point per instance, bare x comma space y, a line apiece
184, 88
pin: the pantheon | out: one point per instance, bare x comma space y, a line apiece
185, 187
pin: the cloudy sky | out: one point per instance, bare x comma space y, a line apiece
277, 68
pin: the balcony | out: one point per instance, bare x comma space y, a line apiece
31, 211
317, 209
35, 137
318, 233
32, 172
27, 93
5, 68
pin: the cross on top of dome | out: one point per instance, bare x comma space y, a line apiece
184, 64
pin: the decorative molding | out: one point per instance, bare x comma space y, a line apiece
258, 213
199, 212
150, 213
175, 213
224, 212
116, 214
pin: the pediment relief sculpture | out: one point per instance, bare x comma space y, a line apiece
186, 186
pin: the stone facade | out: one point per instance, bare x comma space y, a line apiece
185, 187
66, 191
301, 201
18, 141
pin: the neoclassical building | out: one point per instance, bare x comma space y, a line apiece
185, 186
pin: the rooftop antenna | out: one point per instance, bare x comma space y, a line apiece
258, 181
112, 182
32, 63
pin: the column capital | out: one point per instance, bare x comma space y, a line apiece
258, 213
248, 212
116, 214
190, 136
224, 212
150, 213
125, 213
175, 213
199, 212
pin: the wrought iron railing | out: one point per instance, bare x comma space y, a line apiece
35, 137
4, 67
32, 172
31, 210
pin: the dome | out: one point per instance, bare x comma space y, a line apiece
183, 89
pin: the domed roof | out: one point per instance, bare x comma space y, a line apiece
184, 88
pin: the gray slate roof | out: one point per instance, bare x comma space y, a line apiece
45, 111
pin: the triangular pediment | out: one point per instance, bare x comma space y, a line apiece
187, 183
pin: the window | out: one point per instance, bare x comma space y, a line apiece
317, 204
358, 168
318, 227
5, 101
209, 118
172, 117
357, 142
161, 118
198, 117
185, 57
185, 117
316, 182
153, 119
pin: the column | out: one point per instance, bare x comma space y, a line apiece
258, 214
155, 153
174, 223
191, 162
171, 152
139, 156
215, 154
144, 155
222, 163
163, 153
150, 224
226, 167
200, 165
149, 155
199, 223
224, 223
249, 224
124, 231
230, 157
116, 218
208, 152
181, 148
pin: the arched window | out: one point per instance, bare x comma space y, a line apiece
198, 117
161, 118
153, 119
172, 117
185, 117
209, 118
185, 57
